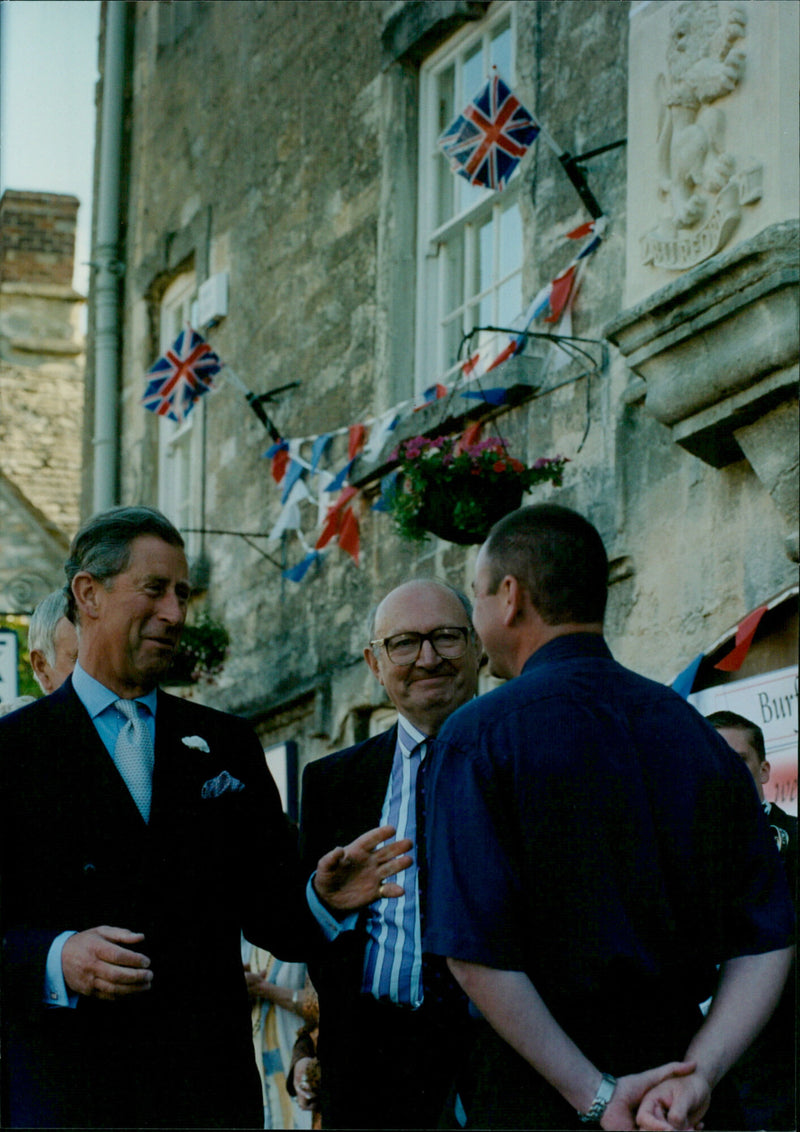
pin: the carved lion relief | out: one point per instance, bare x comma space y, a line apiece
702, 189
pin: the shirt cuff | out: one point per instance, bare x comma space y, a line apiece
55, 988
331, 927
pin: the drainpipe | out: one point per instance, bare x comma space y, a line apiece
107, 264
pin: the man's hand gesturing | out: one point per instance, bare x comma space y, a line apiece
350, 878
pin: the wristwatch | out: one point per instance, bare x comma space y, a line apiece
605, 1091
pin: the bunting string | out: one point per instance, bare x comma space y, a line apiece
187, 372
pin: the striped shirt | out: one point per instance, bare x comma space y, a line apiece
393, 957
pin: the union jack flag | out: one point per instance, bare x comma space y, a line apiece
181, 376
488, 138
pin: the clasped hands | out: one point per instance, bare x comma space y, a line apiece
103, 962
671, 1098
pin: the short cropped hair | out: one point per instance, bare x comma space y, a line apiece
730, 721
558, 557
102, 547
462, 597
44, 621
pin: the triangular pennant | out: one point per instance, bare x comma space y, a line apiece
298, 572
317, 449
279, 454
288, 520
744, 639
349, 535
338, 481
431, 394
583, 230
378, 434
514, 347
293, 474
682, 684
356, 435
470, 435
388, 487
559, 293
490, 396
334, 517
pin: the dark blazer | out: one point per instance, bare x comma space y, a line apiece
342, 798
76, 854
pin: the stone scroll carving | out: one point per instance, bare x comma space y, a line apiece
699, 182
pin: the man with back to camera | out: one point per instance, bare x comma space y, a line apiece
127, 815
765, 1077
391, 1033
52, 642
595, 852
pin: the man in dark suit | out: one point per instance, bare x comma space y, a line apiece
765, 1076
141, 834
390, 1042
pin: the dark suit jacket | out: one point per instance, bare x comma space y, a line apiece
76, 854
342, 798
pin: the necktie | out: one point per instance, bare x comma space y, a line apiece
133, 755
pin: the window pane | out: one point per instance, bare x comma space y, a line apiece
445, 191
509, 300
500, 50
454, 275
446, 97
445, 103
485, 315
510, 241
473, 75
484, 266
453, 333
468, 194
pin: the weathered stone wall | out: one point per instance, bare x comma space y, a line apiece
275, 146
41, 353
32, 552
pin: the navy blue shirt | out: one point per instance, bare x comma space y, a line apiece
587, 826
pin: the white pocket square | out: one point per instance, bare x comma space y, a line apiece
224, 783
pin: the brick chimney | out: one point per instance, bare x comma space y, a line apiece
37, 237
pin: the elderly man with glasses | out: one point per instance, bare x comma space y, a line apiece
392, 1028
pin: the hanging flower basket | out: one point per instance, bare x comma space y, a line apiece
459, 493
201, 653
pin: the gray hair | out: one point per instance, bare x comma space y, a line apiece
102, 547
44, 621
462, 597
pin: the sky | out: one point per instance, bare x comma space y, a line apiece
48, 72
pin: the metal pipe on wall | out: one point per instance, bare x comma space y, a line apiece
107, 264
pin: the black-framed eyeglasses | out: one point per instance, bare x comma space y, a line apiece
449, 642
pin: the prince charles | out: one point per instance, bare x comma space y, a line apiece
137, 833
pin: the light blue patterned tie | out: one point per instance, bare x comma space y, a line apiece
133, 755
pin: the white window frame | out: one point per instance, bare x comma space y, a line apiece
180, 444
432, 363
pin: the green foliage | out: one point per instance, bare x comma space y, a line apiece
202, 651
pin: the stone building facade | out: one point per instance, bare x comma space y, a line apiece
41, 394
281, 189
